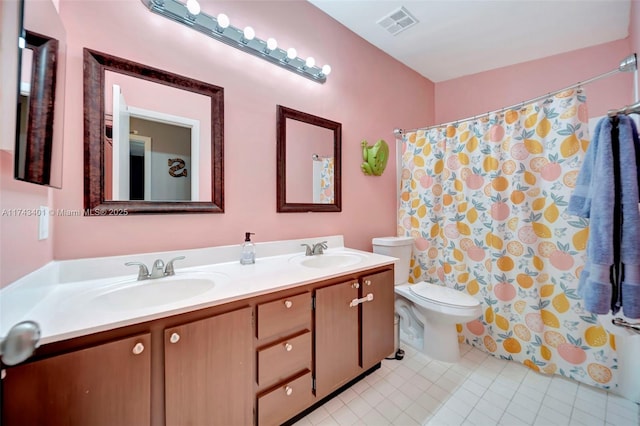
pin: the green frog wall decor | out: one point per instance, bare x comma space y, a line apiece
375, 158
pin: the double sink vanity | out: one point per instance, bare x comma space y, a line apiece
217, 343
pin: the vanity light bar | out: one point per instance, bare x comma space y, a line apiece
245, 40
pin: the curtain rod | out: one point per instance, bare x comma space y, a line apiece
630, 63
626, 110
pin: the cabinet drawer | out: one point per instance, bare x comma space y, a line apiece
288, 313
285, 401
284, 359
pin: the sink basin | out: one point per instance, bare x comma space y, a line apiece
149, 293
330, 260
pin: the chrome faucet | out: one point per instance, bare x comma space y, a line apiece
158, 270
315, 249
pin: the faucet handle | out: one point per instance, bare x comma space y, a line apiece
309, 251
318, 247
143, 272
168, 270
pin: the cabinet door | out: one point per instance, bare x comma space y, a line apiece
209, 371
105, 385
377, 318
337, 340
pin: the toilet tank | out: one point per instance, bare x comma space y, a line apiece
400, 247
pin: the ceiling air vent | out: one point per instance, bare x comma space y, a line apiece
397, 21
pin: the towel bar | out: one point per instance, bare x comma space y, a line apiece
635, 326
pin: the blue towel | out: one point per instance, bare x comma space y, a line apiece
630, 245
594, 188
580, 201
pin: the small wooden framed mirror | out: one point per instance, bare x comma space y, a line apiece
309, 162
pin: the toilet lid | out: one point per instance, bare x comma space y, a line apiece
443, 295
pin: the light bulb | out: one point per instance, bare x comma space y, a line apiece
292, 53
272, 43
310, 62
326, 69
223, 20
193, 7
249, 33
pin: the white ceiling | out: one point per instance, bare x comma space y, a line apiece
454, 38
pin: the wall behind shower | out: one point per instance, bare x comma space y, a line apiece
490, 90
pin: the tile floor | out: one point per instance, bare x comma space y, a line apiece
479, 390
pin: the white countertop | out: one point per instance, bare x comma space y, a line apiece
63, 297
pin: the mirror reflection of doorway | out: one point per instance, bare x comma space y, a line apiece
139, 168
168, 143
165, 170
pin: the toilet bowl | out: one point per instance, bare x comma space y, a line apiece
437, 310
627, 349
428, 312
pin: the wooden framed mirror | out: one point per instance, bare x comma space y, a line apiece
154, 140
41, 86
308, 162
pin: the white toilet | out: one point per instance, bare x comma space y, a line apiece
627, 349
428, 312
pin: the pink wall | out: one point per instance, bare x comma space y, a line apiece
471, 95
20, 250
358, 93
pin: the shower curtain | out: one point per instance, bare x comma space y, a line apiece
485, 202
323, 180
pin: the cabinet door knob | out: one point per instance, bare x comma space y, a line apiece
367, 282
355, 285
138, 349
288, 304
288, 347
288, 390
175, 337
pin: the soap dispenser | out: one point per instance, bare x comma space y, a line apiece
248, 254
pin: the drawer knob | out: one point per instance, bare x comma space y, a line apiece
288, 347
175, 337
138, 349
288, 304
355, 285
288, 390
367, 282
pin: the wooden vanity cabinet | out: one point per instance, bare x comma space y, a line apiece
107, 384
377, 318
260, 360
208, 371
283, 358
203, 369
353, 332
337, 336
